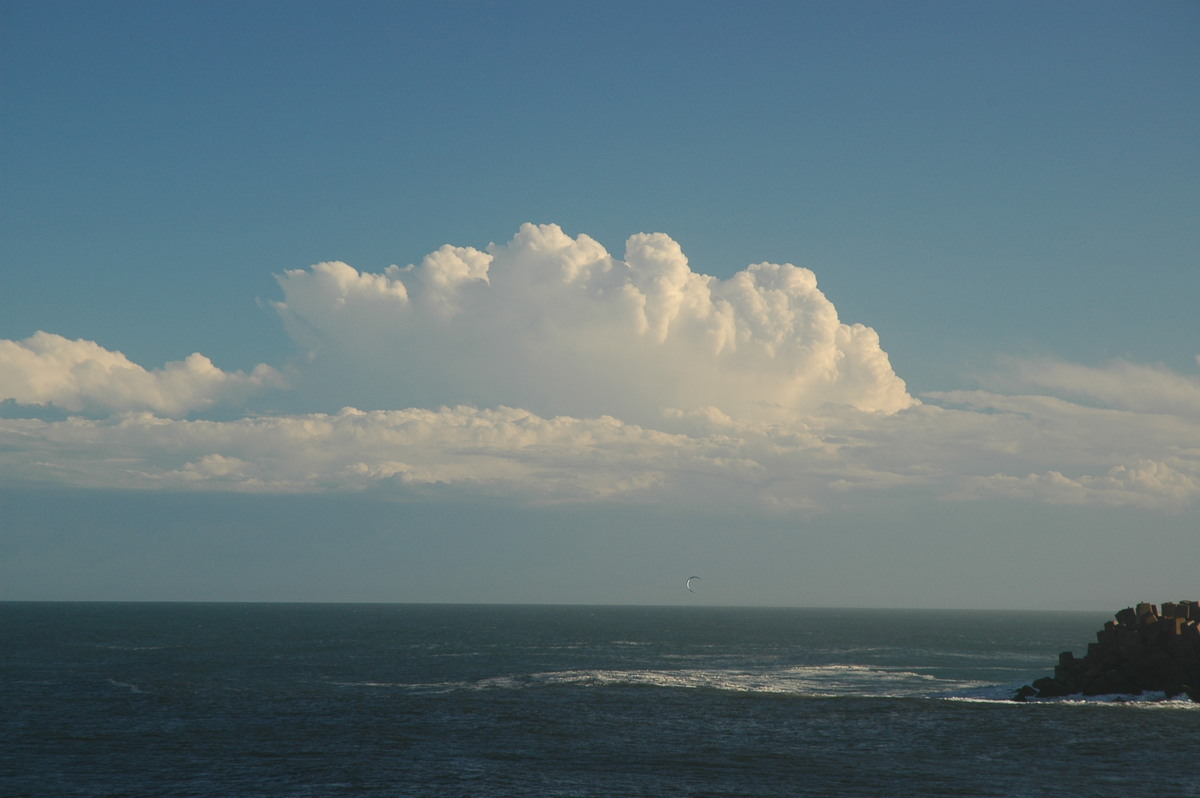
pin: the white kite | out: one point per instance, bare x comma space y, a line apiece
689, 583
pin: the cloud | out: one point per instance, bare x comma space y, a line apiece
82, 376
1148, 484
556, 325
1120, 384
1145, 483
497, 451
1052, 450
546, 371
978, 445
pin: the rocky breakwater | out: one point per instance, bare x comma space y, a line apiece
1143, 650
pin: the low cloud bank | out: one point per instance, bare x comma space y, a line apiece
83, 377
977, 445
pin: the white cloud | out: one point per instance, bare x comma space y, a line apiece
545, 370
1120, 384
556, 325
1022, 448
1052, 450
1145, 483
502, 450
79, 376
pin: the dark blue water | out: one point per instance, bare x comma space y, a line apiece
399, 700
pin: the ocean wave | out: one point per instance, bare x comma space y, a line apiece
1003, 693
130, 686
811, 681
1147, 700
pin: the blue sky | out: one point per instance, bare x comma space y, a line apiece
547, 409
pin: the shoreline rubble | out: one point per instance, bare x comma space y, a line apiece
1142, 650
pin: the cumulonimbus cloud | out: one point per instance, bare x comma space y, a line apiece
555, 324
82, 376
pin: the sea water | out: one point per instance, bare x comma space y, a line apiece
437, 700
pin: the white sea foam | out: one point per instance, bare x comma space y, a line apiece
1003, 693
133, 688
814, 680
1147, 700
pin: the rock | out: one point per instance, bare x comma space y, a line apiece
1050, 688
1024, 693
1142, 650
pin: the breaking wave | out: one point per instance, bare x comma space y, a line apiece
809, 681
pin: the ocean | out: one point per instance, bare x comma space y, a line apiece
132, 699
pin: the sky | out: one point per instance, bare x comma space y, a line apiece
856, 303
